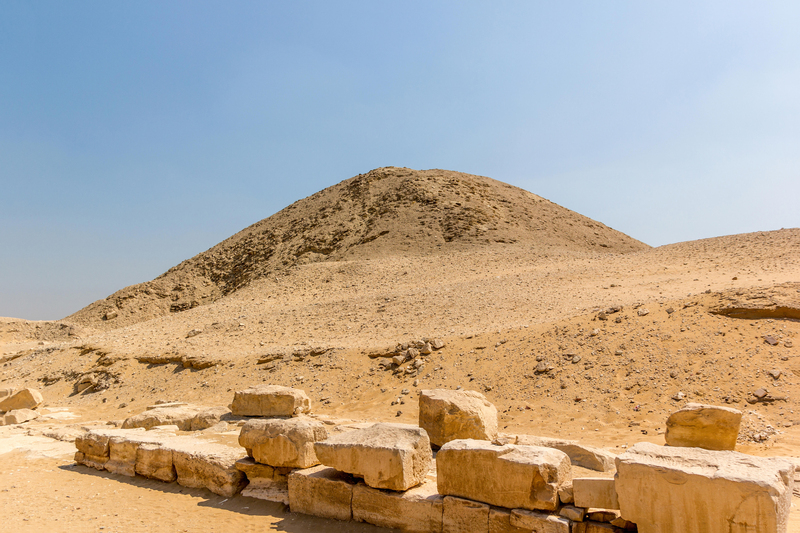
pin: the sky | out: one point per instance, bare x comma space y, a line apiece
134, 135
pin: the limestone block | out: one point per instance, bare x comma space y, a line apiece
270, 400
570, 512
386, 456
264, 482
536, 522
203, 464
97, 462
602, 515
185, 417
500, 522
154, 461
704, 426
528, 477
565, 494
22, 399
95, 441
598, 492
464, 516
418, 509
579, 454
448, 415
122, 451
283, 442
18, 416
321, 491
704, 491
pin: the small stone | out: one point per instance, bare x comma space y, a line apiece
673, 374
595, 332
760, 393
670, 310
194, 333
771, 340
405, 391
576, 359
775, 373
787, 343
678, 396
642, 311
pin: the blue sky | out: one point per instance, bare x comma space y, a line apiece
136, 135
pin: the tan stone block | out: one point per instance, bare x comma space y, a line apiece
510, 476
602, 515
19, 416
263, 482
704, 426
570, 512
98, 462
283, 442
708, 491
537, 522
122, 451
500, 522
154, 461
565, 494
22, 399
464, 516
203, 464
418, 509
386, 456
449, 415
270, 400
598, 492
592, 527
321, 491
95, 441
579, 454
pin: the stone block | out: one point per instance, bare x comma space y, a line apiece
500, 522
321, 491
565, 494
19, 416
98, 462
449, 415
511, 476
665, 489
537, 522
579, 454
593, 527
122, 451
704, 426
264, 482
283, 442
464, 516
185, 417
570, 512
270, 400
203, 464
154, 461
386, 456
22, 399
95, 441
598, 492
417, 510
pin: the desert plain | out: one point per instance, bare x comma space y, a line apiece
570, 328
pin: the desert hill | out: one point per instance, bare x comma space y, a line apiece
387, 212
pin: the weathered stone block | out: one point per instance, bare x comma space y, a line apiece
500, 522
665, 489
270, 400
185, 417
22, 399
122, 451
704, 426
536, 522
283, 442
386, 456
321, 491
19, 416
203, 464
464, 516
418, 509
265, 482
449, 415
511, 476
579, 454
598, 492
570, 512
154, 461
98, 462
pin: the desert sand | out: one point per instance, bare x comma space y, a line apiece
569, 327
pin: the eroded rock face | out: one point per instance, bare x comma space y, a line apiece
707, 491
22, 399
283, 442
526, 477
579, 454
386, 456
704, 426
270, 400
449, 415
